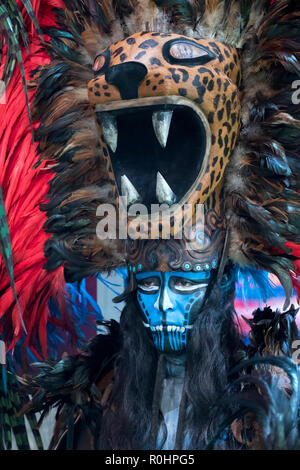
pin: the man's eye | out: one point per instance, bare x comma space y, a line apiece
148, 286
188, 286
183, 284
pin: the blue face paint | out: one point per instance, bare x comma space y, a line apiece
170, 303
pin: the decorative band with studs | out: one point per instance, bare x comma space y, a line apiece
186, 266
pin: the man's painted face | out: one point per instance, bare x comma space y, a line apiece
170, 302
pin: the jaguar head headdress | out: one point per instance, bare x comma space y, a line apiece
178, 103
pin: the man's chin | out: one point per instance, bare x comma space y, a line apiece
170, 338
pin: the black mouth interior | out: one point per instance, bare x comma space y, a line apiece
140, 156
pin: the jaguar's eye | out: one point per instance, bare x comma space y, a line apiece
187, 52
99, 63
183, 50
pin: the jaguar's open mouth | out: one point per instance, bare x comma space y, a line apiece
158, 146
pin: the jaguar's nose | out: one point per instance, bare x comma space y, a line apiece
127, 78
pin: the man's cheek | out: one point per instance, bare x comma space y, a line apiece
146, 304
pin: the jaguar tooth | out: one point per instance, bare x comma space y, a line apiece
164, 193
128, 190
161, 124
110, 130
146, 324
182, 329
168, 328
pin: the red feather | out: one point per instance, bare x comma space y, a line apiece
24, 189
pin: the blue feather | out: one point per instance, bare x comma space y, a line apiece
255, 285
122, 273
83, 310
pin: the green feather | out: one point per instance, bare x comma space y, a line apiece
245, 7
10, 422
13, 32
18, 21
27, 5
5, 249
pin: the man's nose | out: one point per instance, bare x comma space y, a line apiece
163, 301
127, 78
